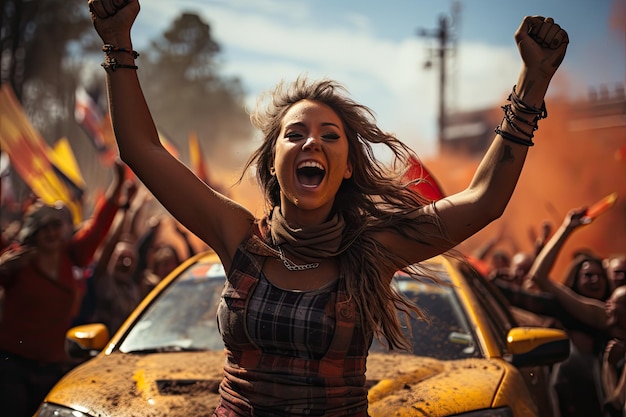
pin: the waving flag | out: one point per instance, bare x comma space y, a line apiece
96, 124
28, 153
65, 165
199, 167
427, 186
89, 116
197, 158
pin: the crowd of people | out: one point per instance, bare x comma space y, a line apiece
336, 225
100, 270
55, 274
588, 302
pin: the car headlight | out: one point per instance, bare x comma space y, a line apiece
54, 410
492, 412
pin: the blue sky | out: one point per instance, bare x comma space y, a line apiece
372, 47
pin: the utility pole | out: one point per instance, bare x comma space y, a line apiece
444, 35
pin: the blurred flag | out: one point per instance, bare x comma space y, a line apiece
65, 165
427, 186
89, 116
197, 158
96, 125
480, 265
198, 165
28, 154
168, 144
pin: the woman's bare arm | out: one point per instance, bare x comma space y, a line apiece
484, 200
217, 220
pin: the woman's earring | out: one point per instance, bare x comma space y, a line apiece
272, 171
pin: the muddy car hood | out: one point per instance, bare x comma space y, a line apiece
158, 384
402, 385
185, 384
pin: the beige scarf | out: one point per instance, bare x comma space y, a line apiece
311, 244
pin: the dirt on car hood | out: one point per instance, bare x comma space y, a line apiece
141, 385
414, 386
186, 384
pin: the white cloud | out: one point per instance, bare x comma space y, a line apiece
265, 41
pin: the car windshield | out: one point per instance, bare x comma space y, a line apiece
183, 317
445, 332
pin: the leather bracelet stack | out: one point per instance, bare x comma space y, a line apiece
512, 116
111, 63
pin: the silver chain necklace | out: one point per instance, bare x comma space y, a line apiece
290, 265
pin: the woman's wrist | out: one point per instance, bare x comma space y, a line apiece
119, 55
531, 88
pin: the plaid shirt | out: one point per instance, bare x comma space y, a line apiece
285, 379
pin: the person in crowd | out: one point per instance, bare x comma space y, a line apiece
614, 357
540, 240
489, 259
520, 265
113, 292
337, 224
122, 226
576, 381
164, 260
500, 259
616, 270
609, 318
161, 257
116, 293
42, 296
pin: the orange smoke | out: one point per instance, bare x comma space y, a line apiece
572, 165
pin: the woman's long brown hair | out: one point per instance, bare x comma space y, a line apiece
374, 199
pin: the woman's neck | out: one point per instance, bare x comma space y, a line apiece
297, 217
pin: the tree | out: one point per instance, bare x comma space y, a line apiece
36, 39
186, 93
42, 48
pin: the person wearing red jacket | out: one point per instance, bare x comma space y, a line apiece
42, 294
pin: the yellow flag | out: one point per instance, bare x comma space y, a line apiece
62, 156
197, 158
28, 153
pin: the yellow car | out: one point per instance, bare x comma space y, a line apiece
470, 359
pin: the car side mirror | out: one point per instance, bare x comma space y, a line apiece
537, 346
85, 341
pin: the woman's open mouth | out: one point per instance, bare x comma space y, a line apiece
310, 173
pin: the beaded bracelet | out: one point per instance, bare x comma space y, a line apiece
112, 64
107, 48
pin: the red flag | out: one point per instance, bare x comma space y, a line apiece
96, 124
28, 153
480, 265
427, 186
89, 116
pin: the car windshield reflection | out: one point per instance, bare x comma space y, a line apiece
183, 318
445, 334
